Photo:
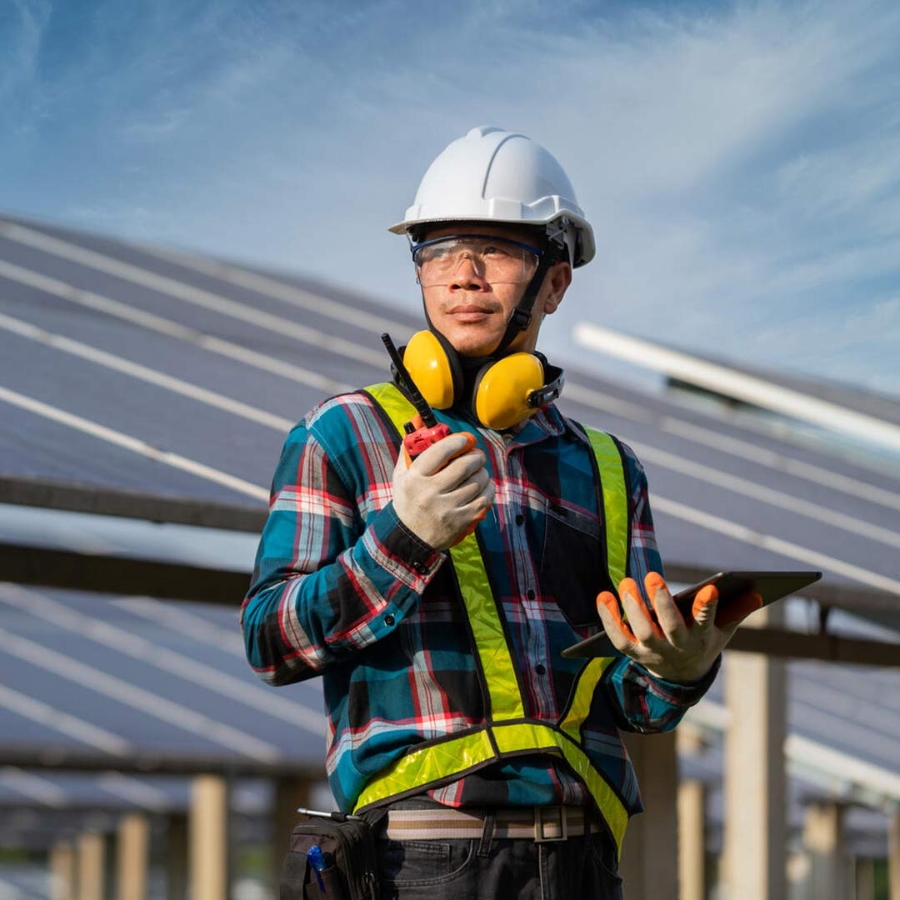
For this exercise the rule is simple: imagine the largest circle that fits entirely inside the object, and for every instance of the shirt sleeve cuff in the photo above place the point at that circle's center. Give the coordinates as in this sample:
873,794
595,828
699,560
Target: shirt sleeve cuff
397,551
422,557
686,694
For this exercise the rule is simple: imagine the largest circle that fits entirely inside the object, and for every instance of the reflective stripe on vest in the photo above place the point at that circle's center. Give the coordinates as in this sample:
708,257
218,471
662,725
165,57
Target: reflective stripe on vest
615,503
508,732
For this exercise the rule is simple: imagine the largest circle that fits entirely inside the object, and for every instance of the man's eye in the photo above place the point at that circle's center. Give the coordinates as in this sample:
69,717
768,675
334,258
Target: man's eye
493,250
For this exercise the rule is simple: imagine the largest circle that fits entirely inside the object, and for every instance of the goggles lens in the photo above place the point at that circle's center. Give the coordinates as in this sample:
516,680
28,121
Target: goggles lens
498,260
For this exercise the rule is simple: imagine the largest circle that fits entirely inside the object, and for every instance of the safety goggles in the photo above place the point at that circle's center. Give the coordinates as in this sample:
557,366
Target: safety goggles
497,260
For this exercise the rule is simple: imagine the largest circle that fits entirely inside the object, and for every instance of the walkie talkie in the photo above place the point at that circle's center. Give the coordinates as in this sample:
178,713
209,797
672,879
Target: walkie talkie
423,429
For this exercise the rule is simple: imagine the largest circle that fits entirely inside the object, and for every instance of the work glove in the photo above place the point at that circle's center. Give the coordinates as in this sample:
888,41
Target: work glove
444,492
672,646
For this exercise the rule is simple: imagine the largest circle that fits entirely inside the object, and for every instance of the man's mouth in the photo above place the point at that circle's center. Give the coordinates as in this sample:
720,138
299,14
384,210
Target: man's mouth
470,312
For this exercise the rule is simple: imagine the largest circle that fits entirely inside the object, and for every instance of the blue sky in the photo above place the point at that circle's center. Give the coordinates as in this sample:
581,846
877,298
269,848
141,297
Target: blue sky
740,162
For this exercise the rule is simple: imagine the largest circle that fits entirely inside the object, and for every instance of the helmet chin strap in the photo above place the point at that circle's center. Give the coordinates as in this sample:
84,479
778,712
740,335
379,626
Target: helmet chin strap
521,315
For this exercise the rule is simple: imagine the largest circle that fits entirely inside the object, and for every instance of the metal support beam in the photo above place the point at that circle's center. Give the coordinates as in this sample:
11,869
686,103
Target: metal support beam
755,814
105,501
48,756
22,564
650,853
208,838
824,647
742,386
132,857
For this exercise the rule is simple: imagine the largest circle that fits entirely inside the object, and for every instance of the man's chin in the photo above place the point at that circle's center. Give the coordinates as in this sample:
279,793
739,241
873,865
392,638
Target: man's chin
473,345
475,352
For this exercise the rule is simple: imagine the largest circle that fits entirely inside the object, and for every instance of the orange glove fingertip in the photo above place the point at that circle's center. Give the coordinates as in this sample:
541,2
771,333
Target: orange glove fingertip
610,601
629,586
703,598
706,595
654,582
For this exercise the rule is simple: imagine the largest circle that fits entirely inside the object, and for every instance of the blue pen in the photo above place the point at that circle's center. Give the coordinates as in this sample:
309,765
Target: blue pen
317,860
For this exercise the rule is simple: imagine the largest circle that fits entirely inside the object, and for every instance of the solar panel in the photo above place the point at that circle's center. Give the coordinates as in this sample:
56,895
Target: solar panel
128,368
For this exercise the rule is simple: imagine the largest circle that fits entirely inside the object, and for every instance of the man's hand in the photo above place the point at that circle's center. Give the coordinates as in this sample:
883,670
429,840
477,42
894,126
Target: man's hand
667,644
443,491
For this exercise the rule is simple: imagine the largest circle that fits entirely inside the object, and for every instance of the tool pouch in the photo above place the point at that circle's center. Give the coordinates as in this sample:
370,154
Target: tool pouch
351,862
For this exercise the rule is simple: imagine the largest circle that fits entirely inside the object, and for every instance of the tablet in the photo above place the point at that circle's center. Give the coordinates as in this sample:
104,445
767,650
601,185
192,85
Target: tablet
771,586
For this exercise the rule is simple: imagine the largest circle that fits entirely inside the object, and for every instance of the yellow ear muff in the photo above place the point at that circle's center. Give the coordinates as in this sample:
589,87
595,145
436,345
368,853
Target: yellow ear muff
428,366
501,395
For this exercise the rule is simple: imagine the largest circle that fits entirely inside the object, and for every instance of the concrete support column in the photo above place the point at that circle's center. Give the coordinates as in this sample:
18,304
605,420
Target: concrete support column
132,858
755,783
208,838
62,872
692,840
650,853
176,857
91,866
824,842
290,793
894,855
798,868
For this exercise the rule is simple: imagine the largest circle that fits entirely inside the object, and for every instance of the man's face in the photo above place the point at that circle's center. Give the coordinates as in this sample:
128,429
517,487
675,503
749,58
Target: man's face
471,307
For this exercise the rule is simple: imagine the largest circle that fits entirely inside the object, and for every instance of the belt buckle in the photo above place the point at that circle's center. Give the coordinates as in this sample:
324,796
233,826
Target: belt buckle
539,824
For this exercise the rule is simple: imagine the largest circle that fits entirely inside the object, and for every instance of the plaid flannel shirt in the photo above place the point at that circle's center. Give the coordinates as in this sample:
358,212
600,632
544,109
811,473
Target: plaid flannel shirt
343,589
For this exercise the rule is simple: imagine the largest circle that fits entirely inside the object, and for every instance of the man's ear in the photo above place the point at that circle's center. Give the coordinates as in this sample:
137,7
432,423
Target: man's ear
557,282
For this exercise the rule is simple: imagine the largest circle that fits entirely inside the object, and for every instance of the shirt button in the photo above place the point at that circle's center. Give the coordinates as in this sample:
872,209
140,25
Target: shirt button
419,567
530,595
540,669
389,620
520,519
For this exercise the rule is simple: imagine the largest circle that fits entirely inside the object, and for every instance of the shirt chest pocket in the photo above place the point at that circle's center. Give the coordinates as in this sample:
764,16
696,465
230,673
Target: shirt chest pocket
572,567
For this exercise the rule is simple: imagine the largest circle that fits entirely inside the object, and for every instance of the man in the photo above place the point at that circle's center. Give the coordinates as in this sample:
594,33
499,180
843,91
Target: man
449,702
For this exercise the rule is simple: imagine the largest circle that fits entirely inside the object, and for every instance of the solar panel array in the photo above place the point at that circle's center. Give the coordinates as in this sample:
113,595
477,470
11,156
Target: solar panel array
128,367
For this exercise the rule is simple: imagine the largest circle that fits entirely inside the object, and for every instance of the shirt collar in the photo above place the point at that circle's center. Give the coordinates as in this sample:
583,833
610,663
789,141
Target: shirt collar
546,423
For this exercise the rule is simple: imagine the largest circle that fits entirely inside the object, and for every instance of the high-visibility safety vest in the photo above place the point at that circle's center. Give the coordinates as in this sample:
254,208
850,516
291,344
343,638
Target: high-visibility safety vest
508,731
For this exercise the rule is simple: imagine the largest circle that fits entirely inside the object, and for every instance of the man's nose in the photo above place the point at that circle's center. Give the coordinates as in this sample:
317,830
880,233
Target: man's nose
468,275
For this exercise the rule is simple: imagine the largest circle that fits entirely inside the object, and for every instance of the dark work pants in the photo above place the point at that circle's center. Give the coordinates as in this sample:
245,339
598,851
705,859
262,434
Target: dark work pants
580,867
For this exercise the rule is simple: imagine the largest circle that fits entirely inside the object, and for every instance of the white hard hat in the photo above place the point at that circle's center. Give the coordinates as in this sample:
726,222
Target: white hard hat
492,175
